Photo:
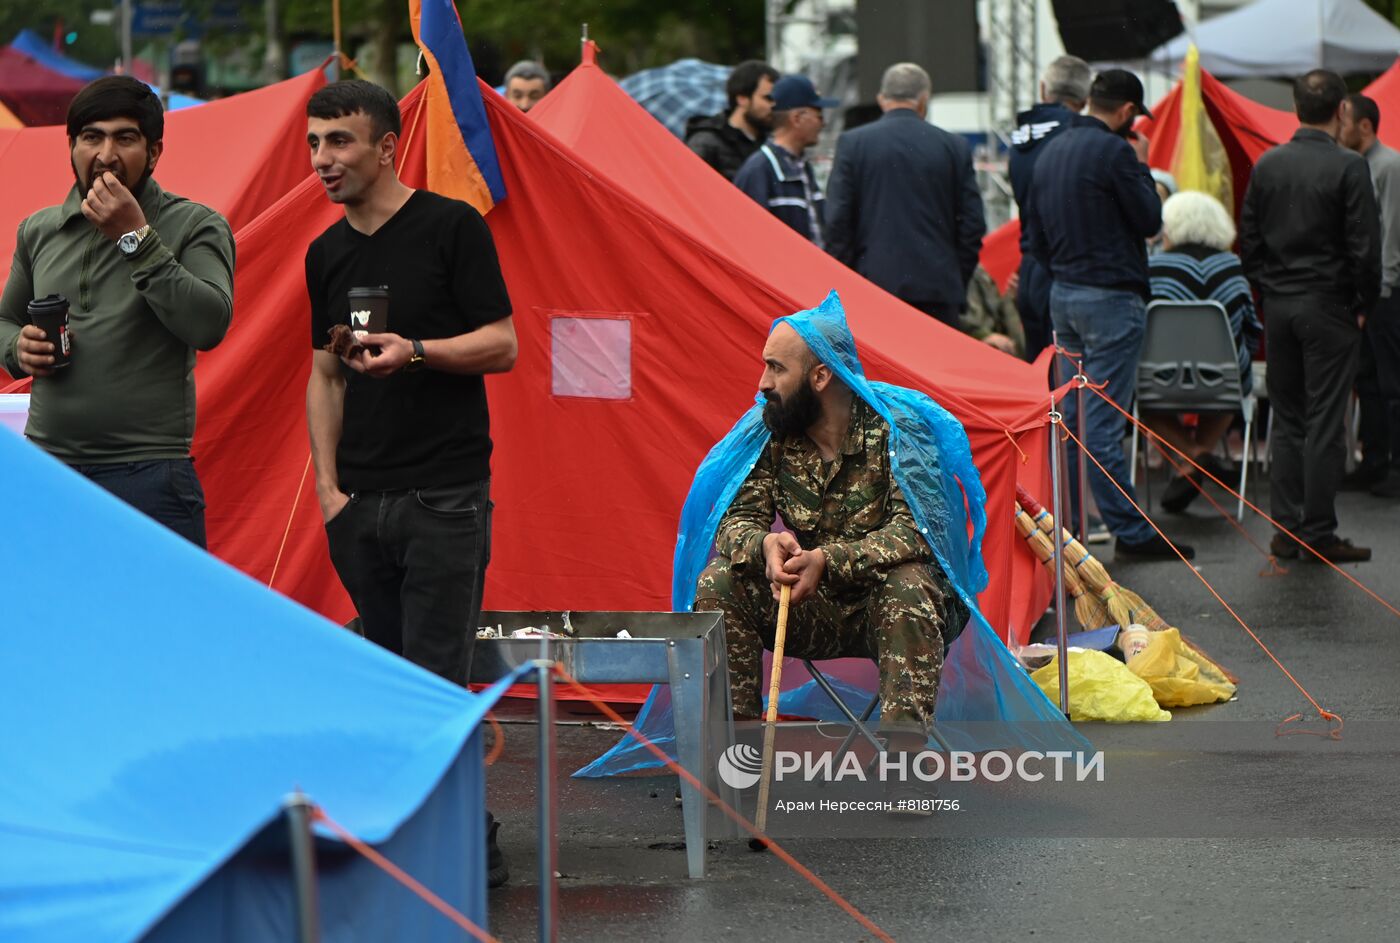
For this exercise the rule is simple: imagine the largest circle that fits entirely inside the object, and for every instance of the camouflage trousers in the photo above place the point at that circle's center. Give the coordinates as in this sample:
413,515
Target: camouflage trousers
898,621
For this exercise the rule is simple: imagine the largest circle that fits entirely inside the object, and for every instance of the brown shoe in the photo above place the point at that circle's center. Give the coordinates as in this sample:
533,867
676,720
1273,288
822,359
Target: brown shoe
1341,550
1284,547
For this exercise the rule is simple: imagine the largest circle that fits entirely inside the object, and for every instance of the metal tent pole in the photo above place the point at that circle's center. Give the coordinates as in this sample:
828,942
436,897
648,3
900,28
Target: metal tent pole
548,843
303,844
1057,539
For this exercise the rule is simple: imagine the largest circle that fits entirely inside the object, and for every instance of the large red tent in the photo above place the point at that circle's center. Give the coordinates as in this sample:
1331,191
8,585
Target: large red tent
588,489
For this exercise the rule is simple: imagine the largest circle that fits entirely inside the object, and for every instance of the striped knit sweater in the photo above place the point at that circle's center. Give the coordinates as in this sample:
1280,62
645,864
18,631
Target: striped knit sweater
1198,273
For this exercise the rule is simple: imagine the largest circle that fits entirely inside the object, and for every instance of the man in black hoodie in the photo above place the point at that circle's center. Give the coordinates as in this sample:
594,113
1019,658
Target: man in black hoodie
725,141
1064,87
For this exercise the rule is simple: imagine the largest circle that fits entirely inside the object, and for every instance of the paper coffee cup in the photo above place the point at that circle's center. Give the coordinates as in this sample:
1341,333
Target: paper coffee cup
369,310
50,315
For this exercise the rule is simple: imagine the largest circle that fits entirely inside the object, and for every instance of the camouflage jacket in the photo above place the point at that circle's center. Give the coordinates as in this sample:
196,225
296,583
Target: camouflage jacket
851,507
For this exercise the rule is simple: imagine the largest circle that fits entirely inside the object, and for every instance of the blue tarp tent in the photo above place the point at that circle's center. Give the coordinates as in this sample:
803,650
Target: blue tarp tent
156,709
33,45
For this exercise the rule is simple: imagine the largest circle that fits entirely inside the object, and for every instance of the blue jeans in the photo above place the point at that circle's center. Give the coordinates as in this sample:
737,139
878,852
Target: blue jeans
1106,326
165,490
414,564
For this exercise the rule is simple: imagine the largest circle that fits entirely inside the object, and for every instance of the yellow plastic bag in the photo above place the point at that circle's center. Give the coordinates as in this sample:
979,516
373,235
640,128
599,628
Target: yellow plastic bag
1179,675
1100,688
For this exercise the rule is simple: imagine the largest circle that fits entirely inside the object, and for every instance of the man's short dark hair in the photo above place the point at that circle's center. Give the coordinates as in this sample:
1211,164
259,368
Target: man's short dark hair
117,96
356,96
1364,108
745,78
1317,96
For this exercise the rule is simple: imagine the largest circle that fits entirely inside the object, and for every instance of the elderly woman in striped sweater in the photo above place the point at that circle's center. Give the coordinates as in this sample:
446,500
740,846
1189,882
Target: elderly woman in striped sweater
1196,264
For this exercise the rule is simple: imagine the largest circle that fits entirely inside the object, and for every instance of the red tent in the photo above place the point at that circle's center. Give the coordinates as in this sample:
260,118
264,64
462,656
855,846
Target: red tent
35,93
588,490
1001,401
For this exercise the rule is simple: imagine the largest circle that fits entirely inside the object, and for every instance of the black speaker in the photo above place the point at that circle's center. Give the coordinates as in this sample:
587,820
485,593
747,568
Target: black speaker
1116,30
942,37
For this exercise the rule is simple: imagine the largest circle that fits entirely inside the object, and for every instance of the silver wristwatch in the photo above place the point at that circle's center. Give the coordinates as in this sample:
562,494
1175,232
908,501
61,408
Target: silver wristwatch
130,242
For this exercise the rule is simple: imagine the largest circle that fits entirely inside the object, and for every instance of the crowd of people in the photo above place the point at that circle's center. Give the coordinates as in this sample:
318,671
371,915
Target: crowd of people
405,492
1102,236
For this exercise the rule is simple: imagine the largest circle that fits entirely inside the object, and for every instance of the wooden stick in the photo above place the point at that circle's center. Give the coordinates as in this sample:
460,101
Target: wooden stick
771,721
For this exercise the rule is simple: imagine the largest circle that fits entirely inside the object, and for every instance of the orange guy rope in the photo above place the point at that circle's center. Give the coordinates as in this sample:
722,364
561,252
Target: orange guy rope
301,485
403,877
1322,712
724,807
1160,442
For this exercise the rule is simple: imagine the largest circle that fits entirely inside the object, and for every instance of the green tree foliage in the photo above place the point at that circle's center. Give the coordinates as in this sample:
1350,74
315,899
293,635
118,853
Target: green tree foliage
97,45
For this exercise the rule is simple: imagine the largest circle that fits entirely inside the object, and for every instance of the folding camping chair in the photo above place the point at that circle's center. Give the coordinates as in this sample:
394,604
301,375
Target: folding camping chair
1189,365
858,724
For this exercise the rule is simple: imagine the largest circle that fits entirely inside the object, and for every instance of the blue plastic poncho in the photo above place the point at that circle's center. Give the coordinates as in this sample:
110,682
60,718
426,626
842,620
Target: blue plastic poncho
985,699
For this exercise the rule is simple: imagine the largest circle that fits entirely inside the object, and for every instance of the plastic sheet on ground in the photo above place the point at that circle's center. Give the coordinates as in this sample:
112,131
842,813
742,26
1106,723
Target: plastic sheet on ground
1178,674
1101,688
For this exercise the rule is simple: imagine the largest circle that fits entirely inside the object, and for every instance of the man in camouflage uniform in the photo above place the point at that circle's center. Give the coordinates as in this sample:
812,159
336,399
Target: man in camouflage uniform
864,583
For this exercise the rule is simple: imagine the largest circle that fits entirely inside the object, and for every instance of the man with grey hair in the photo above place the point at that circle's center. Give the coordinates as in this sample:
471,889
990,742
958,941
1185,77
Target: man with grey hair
526,82
1064,87
902,204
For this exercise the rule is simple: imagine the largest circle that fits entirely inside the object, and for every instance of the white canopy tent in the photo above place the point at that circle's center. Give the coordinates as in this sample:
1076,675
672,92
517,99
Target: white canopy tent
1290,37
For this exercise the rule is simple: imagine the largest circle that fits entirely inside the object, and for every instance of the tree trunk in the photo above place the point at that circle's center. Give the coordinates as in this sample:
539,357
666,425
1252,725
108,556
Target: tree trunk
388,24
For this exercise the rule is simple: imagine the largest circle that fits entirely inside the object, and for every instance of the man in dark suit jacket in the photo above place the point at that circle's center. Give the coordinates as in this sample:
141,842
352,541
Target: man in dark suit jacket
902,205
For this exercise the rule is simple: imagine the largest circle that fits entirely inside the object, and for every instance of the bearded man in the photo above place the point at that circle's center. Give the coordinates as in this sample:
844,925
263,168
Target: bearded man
148,279
868,569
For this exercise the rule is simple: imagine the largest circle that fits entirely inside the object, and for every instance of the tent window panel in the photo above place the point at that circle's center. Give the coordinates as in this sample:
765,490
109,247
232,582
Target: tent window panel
591,357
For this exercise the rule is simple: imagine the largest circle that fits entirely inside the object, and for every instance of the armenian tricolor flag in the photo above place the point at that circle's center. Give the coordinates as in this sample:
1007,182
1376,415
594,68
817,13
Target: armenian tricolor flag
462,161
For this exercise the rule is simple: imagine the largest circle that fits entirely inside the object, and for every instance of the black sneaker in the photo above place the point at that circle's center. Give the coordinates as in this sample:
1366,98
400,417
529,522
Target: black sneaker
1181,491
1153,548
1340,550
497,871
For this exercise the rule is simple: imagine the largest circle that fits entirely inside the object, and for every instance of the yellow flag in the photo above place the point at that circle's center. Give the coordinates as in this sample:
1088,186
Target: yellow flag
1200,162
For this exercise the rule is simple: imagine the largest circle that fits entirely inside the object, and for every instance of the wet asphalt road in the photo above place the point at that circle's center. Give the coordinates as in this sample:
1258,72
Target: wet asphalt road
1209,827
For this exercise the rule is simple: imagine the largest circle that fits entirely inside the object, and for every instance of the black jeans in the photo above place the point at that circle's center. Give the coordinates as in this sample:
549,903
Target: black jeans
1313,349
165,490
414,564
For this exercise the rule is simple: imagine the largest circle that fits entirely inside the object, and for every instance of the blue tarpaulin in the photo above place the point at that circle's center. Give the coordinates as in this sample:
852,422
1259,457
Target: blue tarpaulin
158,706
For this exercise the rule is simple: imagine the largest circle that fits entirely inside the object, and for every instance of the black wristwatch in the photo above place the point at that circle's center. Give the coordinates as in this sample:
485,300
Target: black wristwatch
416,361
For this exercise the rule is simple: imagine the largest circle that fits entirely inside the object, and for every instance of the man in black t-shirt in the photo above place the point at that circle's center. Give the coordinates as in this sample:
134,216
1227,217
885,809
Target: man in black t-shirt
400,433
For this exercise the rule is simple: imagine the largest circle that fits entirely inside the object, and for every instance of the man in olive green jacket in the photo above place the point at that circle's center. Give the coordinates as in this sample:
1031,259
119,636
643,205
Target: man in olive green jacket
148,277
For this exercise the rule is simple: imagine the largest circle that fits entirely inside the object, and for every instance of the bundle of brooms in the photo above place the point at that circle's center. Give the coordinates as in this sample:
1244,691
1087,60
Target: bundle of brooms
1099,601
1124,606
